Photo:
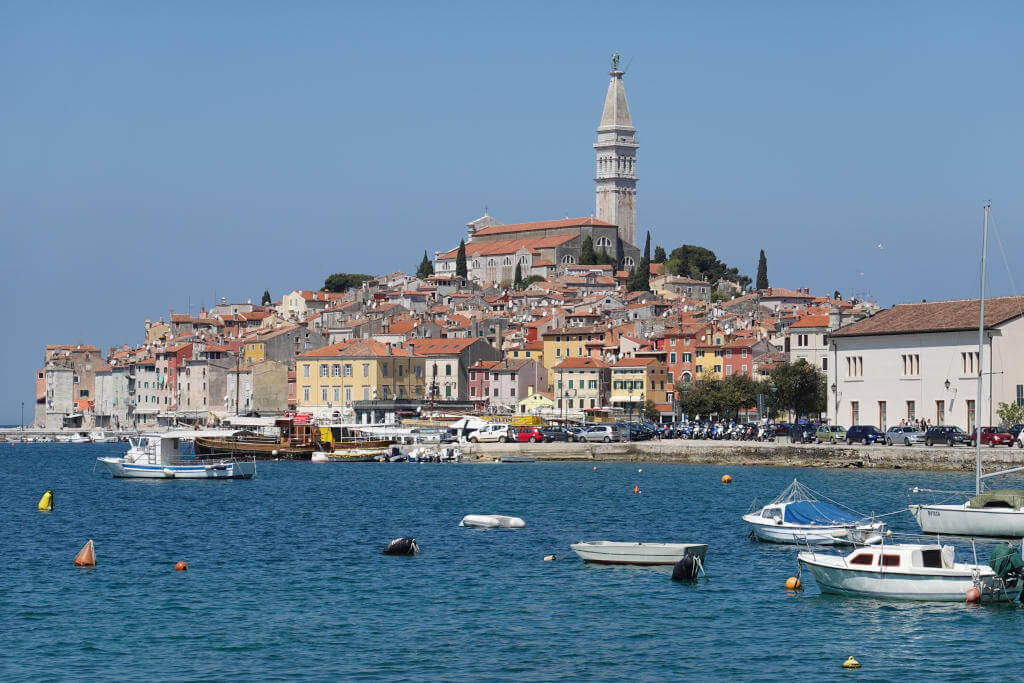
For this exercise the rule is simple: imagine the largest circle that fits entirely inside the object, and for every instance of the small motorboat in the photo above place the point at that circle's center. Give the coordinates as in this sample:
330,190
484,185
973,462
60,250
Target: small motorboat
492,522
616,552
516,458
102,436
349,455
799,515
907,571
159,456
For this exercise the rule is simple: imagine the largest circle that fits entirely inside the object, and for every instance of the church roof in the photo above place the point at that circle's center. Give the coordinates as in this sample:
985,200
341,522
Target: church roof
503,247
543,225
616,109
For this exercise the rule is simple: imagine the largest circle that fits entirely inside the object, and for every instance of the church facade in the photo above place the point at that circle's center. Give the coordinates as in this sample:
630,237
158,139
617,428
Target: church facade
493,250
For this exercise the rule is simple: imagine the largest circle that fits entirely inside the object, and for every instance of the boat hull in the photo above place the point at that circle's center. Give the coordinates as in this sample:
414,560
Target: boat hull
950,586
261,449
349,455
808,534
116,467
610,552
959,520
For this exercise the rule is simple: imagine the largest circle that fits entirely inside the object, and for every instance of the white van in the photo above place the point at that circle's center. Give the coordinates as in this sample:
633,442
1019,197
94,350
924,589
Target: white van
492,431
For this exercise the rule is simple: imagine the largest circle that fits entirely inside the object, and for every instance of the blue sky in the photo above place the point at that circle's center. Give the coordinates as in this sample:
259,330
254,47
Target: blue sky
155,154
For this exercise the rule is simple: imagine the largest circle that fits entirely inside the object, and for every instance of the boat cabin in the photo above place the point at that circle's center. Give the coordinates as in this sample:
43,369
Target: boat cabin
154,449
902,556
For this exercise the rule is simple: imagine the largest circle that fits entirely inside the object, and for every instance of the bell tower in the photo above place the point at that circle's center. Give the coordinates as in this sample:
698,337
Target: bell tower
616,159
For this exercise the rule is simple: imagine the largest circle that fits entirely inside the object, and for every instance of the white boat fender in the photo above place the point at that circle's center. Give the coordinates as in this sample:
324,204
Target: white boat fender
402,546
686,568
168,472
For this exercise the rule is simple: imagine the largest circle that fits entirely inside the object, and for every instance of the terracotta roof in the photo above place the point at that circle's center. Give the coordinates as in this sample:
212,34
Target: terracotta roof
357,348
542,225
575,330
430,347
403,327
937,316
581,362
782,292
634,362
507,247
811,321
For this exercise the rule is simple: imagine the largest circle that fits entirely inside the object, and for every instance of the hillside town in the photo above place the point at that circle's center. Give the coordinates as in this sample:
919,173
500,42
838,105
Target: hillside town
566,318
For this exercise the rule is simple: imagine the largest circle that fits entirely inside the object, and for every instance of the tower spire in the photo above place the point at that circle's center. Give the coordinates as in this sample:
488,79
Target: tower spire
616,159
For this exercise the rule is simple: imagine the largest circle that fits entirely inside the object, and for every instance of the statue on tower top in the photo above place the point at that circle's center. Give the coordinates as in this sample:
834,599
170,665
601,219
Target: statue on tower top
615,62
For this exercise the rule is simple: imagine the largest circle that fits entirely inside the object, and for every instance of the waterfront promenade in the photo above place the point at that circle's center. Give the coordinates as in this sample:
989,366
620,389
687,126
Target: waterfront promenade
781,454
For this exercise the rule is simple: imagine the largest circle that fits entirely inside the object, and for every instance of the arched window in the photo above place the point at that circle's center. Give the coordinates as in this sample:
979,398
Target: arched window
568,258
522,260
628,262
491,262
603,242
508,261
687,377
476,264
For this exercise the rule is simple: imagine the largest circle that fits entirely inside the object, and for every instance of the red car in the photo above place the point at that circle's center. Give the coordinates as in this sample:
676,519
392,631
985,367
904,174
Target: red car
994,436
531,434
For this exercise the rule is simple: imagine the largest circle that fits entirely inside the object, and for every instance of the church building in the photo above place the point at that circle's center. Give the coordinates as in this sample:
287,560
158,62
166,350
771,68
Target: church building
493,250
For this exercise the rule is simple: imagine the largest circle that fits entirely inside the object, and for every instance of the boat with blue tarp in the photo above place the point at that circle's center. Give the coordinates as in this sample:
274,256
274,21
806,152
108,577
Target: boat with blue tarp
801,515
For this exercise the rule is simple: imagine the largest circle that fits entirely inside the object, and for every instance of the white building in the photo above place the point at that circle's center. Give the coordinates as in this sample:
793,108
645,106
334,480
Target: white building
920,361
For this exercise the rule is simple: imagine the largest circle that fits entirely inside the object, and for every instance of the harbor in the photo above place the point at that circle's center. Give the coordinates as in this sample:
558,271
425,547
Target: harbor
255,573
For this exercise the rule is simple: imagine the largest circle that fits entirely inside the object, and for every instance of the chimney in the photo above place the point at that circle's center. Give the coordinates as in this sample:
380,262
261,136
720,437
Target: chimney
833,318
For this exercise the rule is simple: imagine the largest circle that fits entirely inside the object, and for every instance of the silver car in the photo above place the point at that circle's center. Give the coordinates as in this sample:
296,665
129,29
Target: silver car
604,433
904,435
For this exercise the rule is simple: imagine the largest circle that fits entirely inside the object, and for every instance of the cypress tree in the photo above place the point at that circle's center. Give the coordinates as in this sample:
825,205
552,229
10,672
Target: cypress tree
640,280
762,272
647,247
460,261
659,255
587,255
426,268
266,298
517,280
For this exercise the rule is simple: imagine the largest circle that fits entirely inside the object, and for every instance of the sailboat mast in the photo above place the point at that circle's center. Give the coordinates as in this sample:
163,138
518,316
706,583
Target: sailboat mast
981,358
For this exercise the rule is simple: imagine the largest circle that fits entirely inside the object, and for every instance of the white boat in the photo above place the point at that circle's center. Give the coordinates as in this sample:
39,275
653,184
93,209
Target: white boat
616,552
159,456
102,436
349,455
517,458
799,515
492,522
982,515
906,571
79,437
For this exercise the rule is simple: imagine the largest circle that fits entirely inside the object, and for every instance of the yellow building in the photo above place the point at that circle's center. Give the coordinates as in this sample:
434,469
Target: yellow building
638,380
533,350
536,402
254,351
707,363
569,342
355,370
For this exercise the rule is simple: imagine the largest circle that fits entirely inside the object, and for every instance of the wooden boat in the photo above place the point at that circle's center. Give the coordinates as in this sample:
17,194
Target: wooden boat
616,552
297,441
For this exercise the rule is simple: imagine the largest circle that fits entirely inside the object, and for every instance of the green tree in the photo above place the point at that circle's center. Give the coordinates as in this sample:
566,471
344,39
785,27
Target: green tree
588,256
426,268
738,392
606,259
266,298
461,270
837,296
339,282
647,247
517,280
800,387
703,396
762,272
700,263
531,279
659,255
1010,414
640,280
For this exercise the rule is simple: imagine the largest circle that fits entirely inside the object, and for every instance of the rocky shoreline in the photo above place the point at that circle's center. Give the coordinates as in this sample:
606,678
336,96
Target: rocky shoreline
957,458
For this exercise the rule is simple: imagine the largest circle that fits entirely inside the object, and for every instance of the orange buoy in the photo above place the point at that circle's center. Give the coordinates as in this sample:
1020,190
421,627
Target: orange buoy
793,584
636,488
181,566
726,479
86,557
973,595
595,468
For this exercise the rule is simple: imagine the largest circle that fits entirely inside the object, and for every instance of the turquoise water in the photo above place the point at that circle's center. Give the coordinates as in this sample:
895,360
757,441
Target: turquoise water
286,579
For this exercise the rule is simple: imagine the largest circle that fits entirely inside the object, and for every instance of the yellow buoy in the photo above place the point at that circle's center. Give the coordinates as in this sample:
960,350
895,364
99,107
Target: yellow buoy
851,663
46,502
726,479
793,584
640,470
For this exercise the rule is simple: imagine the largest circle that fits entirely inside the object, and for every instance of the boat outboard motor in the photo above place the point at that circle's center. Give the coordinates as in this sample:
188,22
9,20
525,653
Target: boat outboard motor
686,568
402,546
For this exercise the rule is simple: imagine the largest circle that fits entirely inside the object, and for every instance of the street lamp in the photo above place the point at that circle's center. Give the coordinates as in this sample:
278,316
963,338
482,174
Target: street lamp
946,384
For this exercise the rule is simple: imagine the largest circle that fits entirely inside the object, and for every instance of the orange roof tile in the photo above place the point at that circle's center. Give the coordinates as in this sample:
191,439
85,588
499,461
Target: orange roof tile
543,225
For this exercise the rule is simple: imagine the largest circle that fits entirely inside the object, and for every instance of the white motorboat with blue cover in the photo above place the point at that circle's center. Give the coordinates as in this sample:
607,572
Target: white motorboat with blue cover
801,515
908,571
160,456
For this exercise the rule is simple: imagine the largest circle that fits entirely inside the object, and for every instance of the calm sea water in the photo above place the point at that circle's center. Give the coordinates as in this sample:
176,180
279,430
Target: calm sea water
286,578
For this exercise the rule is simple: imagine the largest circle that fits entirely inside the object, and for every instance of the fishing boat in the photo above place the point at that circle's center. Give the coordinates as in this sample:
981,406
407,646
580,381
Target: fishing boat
160,456
907,571
296,439
350,455
616,552
998,513
801,515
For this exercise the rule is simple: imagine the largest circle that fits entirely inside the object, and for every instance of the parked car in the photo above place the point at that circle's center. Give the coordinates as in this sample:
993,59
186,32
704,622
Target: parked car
904,434
1015,431
865,434
493,432
604,433
575,433
782,429
830,433
993,436
554,433
947,434
801,433
529,434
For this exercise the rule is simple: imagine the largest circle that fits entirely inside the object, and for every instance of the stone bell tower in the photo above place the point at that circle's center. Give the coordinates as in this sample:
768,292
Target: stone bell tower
616,159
